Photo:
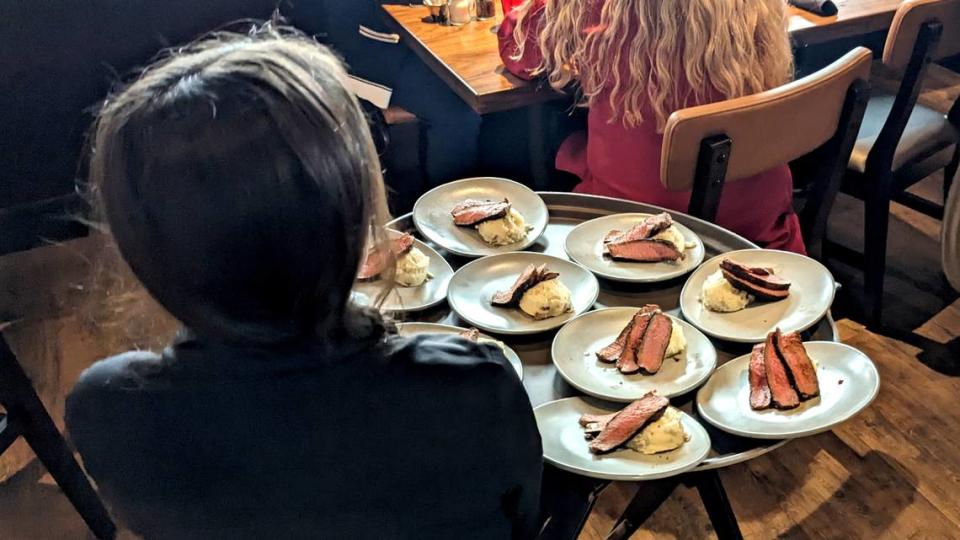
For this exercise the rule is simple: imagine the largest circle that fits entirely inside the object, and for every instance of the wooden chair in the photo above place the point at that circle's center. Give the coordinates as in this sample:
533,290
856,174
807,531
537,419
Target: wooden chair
901,142
814,120
26,417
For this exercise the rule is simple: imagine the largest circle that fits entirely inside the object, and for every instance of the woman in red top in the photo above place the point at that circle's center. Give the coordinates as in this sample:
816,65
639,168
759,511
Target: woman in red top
637,61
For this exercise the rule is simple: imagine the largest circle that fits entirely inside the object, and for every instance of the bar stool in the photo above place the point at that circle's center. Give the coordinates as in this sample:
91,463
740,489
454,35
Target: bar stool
901,142
813,120
26,417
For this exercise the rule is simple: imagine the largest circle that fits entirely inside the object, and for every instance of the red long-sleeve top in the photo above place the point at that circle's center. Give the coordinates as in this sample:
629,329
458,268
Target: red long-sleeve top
618,161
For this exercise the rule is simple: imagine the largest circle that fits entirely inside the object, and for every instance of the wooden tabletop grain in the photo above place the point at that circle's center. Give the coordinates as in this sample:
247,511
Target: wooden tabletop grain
467,58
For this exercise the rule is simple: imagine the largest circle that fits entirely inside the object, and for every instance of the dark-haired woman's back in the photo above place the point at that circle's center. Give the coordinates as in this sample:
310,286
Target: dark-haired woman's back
430,437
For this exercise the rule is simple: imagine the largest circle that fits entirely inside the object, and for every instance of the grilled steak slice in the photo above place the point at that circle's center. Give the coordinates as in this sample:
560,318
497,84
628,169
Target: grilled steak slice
798,363
602,419
759,390
473,211
611,353
593,424
628,363
782,394
647,228
760,282
648,250
764,277
762,293
528,278
472,334
654,343
376,261
628,422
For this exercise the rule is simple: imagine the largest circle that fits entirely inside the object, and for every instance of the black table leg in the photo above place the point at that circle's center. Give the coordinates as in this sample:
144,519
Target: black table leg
566,502
649,497
715,500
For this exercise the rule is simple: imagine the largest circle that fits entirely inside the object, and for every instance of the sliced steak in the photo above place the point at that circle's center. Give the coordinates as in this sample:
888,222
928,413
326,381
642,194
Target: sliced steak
593,424
799,366
654,344
473,211
628,362
376,261
528,278
759,390
626,424
762,293
611,353
760,282
472,334
648,250
649,227
782,394
763,277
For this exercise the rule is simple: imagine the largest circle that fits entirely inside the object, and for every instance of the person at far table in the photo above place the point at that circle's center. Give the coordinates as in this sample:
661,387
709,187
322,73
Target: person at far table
355,29
229,173
636,62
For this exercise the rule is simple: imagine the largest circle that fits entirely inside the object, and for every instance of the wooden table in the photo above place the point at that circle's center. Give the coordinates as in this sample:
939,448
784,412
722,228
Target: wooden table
468,59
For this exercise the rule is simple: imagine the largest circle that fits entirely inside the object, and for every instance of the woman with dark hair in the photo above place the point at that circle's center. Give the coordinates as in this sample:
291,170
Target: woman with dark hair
239,181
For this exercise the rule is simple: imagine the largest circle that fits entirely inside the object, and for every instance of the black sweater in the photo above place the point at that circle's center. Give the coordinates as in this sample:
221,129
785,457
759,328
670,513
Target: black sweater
429,437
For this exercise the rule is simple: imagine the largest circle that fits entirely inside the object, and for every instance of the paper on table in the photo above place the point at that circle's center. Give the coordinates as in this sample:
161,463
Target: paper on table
375,93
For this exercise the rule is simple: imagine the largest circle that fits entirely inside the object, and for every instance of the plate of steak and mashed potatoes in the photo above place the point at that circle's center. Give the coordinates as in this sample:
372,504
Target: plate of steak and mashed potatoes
744,295
602,353
785,389
476,217
600,440
635,247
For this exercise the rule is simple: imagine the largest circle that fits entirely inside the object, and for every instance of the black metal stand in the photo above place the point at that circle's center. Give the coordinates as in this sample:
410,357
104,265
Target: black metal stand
26,417
650,495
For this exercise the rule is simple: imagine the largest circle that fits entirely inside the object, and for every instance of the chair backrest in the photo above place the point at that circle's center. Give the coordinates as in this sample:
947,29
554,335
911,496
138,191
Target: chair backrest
921,32
766,129
905,30
816,117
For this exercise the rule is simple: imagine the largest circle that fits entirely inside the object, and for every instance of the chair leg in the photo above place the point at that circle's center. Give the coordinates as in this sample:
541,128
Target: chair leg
51,449
876,224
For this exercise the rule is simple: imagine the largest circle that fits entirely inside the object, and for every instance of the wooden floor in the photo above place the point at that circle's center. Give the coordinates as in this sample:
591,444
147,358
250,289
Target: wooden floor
892,472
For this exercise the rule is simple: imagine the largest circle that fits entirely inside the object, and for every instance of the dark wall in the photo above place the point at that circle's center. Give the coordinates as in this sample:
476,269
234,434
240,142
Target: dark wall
59,58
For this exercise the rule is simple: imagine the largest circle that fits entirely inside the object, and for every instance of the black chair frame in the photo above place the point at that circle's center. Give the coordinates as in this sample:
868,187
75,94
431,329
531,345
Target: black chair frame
652,494
825,165
27,417
879,185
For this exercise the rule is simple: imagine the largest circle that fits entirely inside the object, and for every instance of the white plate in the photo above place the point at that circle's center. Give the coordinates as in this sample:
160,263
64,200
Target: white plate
412,329
848,383
574,353
584,244
431,293
565,447
431,214
473,286
811,293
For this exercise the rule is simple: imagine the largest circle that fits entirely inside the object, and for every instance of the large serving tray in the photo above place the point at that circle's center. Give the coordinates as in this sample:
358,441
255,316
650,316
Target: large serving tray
541,379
